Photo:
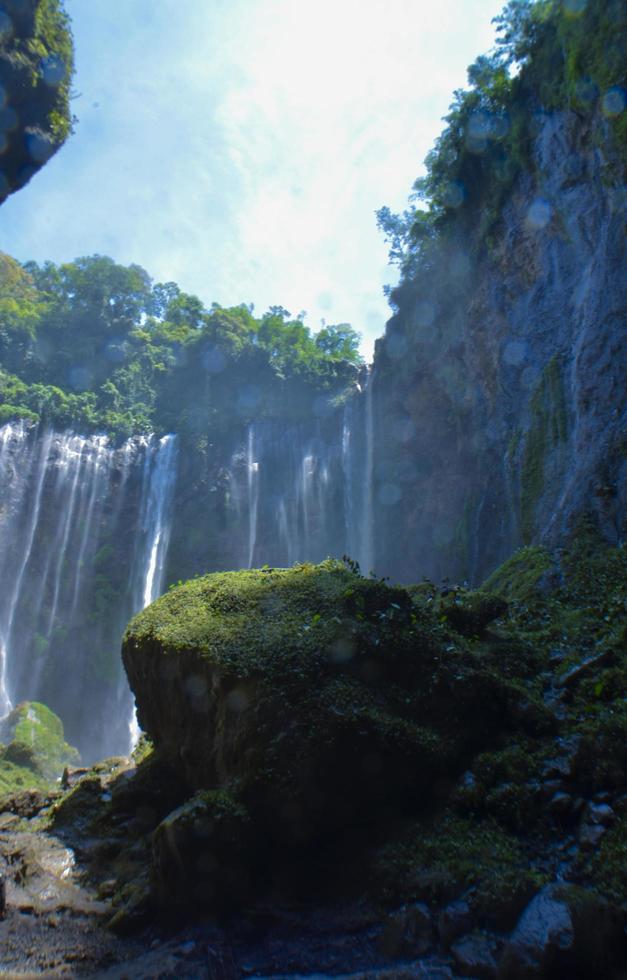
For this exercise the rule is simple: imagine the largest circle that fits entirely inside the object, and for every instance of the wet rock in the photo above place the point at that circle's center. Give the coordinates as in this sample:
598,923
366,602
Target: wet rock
564,931
135,908
455,920
543,938
561,806
201,854
549,788
475,956
408,932
599,813
588,666
28,802
71,775
435,885
590,835
80,806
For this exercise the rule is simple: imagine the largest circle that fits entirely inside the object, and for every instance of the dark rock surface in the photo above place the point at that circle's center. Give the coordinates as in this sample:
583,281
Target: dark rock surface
563,931
499,398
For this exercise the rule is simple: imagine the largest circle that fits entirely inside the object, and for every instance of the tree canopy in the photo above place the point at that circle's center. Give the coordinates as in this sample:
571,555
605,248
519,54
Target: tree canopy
94,344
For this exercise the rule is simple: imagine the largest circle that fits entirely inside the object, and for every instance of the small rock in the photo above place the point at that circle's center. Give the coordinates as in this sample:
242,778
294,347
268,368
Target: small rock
556,768
474,957
544,930
565,931
561,805
433,885
550,788
599,813
408,932
106,889
8,820
587,666
71,776
455,920
590,835
602,797
468,780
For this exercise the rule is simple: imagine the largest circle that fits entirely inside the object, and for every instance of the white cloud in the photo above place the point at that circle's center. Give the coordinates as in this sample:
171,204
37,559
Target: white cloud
242,148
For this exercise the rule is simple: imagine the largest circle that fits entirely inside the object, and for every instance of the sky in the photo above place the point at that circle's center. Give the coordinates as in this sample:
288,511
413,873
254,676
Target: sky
242,147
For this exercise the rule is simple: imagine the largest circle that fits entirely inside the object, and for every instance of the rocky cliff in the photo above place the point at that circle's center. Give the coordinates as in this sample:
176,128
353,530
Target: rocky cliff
499,387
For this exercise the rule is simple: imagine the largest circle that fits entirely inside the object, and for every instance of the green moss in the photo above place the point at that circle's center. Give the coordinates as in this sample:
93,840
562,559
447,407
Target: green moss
548,427
201,852
36,740
438,860
518,578
14,778
607,868
277,621
322,694
470,613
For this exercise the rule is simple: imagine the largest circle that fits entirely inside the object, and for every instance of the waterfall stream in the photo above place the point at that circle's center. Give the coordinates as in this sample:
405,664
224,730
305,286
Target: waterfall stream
159,477
70,507
85,528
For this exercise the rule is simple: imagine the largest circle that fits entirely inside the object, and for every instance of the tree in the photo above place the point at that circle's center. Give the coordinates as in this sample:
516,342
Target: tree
340,342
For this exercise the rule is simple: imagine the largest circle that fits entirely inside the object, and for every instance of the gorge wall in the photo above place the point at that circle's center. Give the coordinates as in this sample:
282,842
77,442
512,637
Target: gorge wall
494,415
499,389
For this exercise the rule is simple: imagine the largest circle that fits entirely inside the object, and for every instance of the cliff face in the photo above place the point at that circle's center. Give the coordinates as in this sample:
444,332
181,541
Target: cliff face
36,63
499,388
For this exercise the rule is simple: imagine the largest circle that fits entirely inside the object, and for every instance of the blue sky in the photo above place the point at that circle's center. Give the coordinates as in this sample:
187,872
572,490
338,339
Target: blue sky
241,147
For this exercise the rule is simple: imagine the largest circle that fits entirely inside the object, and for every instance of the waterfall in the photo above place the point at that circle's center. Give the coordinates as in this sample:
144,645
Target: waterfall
252,486
84,530
283,496
159,477
367,555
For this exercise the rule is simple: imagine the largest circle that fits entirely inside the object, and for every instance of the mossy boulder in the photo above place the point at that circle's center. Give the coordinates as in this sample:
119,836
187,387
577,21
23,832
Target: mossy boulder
317,698
36,741
470,613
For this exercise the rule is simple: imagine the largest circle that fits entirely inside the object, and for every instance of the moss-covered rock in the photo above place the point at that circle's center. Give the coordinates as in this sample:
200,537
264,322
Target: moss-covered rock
36,65
36,740
470,613
318,698
202,853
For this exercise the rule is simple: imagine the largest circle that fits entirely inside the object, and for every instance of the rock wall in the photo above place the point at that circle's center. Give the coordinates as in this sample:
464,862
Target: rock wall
499,387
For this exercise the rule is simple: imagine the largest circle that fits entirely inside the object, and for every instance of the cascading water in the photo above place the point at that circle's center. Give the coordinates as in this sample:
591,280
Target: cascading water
291,489
252,486
367,556
84,530
84,533
159,478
